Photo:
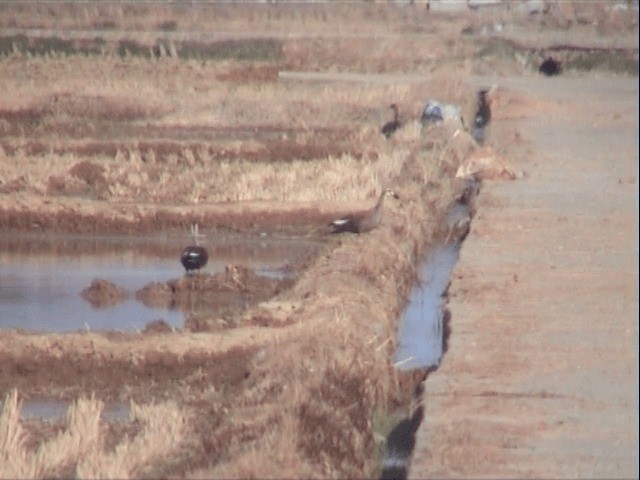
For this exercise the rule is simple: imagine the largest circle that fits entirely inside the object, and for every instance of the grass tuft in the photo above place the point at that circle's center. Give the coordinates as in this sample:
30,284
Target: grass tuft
163,429
13,456
80,438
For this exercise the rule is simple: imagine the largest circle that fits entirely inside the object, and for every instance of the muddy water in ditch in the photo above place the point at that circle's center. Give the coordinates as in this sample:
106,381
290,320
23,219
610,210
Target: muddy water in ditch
422,329
421,336
420,346
41,278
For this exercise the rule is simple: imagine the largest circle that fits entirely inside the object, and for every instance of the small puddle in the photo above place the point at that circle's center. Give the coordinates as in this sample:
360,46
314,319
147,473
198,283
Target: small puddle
50,410
41,279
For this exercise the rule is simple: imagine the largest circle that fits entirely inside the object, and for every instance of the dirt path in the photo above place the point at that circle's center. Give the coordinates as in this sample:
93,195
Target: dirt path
540,376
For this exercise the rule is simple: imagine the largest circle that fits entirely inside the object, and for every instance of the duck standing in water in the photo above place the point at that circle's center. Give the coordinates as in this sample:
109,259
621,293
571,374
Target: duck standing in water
194,257
390,127
482,117
363,222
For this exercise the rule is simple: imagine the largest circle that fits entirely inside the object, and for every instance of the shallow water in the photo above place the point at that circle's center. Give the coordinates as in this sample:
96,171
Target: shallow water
41,278
421,332
421,335
422,326
50,410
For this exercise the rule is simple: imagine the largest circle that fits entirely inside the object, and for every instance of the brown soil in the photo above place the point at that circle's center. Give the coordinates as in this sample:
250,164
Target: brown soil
103,294
212,301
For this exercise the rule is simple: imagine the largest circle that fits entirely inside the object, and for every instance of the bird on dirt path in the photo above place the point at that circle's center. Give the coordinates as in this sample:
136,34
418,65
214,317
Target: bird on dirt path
362,222
482,117
390,127
194,257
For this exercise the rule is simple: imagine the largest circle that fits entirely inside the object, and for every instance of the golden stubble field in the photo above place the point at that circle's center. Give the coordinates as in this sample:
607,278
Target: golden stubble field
180,117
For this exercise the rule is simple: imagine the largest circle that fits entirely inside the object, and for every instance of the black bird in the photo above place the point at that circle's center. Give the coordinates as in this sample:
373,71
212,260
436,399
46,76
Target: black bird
482,117
362,222
550,67
390,127
194,257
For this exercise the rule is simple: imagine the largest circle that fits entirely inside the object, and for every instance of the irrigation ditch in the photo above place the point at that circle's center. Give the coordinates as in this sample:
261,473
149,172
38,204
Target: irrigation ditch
424,329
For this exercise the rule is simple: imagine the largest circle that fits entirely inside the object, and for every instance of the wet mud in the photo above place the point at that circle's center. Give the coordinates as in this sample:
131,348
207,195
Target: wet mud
152,375
212,302
103,294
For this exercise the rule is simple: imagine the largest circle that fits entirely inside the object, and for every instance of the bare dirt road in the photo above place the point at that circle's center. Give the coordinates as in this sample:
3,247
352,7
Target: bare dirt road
540,376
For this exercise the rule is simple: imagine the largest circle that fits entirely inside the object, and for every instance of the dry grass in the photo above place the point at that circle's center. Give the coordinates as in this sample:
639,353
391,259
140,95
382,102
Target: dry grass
78,448
200,174
323,370
163,428
81,437
298,181
226,18
12,439
56,456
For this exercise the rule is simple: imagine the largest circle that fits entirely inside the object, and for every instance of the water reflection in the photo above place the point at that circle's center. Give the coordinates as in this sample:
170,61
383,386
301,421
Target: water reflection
421,332
421,328
41,278
52,410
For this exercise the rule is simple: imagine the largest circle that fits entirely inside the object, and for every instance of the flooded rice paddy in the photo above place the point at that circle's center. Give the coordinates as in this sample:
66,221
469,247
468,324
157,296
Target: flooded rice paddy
42,278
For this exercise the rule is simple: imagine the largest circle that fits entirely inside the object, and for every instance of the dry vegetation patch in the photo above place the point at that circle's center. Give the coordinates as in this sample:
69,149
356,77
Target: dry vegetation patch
312,387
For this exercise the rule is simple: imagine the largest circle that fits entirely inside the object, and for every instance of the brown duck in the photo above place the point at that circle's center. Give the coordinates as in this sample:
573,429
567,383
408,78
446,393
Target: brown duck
390,127
364,221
